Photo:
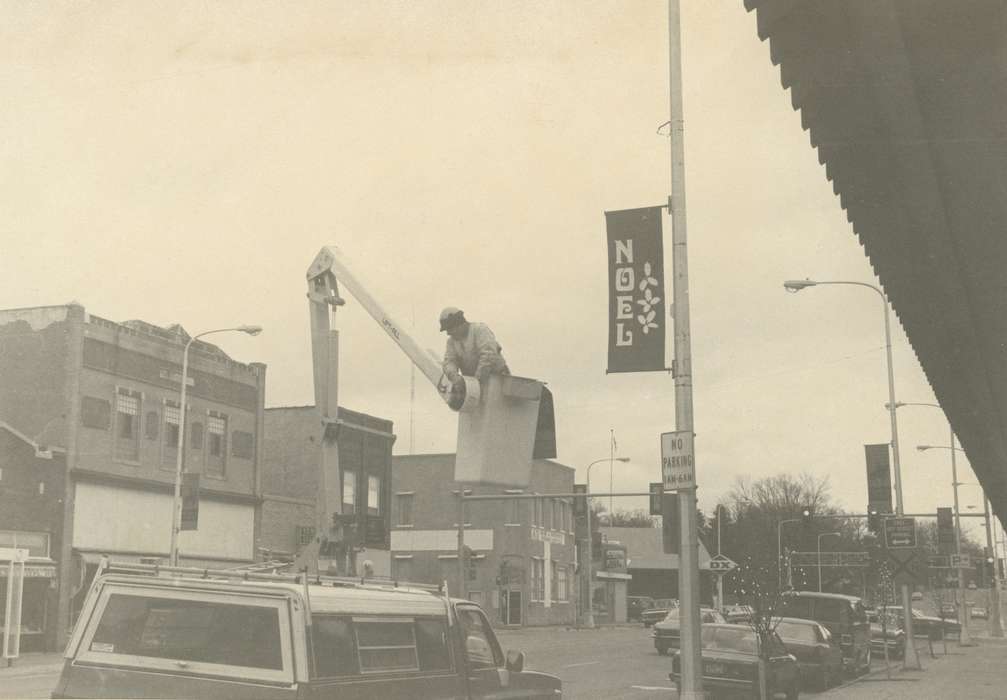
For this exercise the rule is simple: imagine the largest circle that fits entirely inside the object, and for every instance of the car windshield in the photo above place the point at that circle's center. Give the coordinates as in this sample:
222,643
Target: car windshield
796,631
729,639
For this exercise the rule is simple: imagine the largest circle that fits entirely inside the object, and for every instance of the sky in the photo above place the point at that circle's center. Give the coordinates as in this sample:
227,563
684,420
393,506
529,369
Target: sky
185,161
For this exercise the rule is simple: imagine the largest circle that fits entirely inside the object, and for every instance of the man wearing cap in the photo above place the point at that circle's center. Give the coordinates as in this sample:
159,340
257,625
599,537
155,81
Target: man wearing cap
472,349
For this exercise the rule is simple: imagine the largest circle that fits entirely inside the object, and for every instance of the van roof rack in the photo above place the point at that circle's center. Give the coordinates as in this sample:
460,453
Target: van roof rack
267,572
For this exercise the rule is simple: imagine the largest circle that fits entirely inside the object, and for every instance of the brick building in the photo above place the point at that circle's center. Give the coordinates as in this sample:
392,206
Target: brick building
107,394
31,517
291,455
523,556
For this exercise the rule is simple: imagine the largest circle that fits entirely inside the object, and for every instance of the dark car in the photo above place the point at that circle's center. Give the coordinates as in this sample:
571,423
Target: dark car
667,634
843,615
930,626
658,611
818,655
731,664
886,631
636,605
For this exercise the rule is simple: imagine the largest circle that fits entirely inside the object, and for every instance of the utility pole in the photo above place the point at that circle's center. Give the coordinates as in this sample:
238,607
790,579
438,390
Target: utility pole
691,685
996,626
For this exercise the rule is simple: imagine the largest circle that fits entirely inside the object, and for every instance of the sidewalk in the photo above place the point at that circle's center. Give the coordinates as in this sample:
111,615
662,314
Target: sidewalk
32,664
976,673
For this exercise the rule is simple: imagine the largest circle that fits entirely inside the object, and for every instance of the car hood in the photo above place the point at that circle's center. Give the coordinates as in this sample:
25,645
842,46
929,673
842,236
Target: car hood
668,625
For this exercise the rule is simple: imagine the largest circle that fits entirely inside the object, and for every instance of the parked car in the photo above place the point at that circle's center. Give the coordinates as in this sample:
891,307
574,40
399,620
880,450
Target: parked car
886,631
949,611
843,615
658,611
917,595
929,626
737,614
818,655
731,663
209,634
667,634
980,613
636,605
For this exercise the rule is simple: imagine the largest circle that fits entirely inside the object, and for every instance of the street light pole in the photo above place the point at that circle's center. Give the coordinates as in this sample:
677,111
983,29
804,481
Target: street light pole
996,626
779,548
911,659
589,554
176,505
824,534
964,637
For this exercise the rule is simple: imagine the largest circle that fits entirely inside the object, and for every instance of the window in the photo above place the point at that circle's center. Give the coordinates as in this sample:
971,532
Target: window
335,654
537,518
190,630
349,492
481,646
562,584
386,645
95,413
304,534
37,543
547,510
171,418
373,495
150,425
553,581
216,447
127,424
242,444
537,579
432,644
405,507
196,436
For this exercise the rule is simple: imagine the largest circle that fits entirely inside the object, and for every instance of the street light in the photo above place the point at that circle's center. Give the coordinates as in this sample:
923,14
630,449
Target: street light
176,513
824,534
589,621
911,660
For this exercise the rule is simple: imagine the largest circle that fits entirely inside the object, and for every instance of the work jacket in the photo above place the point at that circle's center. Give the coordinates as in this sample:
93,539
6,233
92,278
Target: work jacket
475,355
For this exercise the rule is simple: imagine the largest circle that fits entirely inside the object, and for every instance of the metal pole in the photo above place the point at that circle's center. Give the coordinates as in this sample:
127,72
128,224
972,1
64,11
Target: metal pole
176,503
964,637
779,549
824,534
691,685
589,554
996,627
720,577
461,542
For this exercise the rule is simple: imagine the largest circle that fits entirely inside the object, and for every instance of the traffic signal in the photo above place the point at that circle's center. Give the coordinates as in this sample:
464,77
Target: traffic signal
988,565
874,521
580,502
596,551
807,515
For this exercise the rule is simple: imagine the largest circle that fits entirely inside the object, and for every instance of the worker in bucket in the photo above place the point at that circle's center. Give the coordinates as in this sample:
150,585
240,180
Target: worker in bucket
472,349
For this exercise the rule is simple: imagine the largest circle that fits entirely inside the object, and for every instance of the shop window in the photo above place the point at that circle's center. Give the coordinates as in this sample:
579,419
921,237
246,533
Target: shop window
95,413
349,492
127,424
404,502
216,443
242,444
373,495
196,436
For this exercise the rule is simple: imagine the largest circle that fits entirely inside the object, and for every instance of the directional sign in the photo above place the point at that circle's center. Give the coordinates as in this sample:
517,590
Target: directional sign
678,464
721,564
900,533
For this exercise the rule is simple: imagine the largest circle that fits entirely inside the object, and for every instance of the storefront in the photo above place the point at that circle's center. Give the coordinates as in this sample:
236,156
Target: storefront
38,601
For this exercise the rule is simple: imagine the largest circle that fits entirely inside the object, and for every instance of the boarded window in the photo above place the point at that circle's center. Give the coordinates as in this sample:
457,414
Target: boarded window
196,436
171,428
95,413
216,443
405,503
242,444
150,427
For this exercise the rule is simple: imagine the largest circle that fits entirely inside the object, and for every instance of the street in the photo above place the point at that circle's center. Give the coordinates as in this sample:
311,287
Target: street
620,662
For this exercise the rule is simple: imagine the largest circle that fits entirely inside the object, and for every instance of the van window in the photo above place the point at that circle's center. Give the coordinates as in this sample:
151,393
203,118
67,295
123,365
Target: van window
383,645
190,630
795,606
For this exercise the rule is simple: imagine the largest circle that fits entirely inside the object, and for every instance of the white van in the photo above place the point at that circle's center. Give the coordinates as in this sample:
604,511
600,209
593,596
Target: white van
158,632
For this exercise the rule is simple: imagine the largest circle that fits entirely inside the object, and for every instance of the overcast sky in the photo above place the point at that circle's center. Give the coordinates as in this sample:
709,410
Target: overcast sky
185,161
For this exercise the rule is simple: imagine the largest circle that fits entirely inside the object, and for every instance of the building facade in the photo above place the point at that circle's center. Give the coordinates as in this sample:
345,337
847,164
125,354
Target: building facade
521,556
291,457
32,478
107,394
653,572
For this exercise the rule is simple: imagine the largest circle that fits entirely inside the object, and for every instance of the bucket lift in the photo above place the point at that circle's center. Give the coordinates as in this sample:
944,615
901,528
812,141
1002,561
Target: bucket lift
502,424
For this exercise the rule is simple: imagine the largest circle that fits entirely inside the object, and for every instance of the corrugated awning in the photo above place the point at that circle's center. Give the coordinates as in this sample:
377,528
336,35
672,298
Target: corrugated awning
904,102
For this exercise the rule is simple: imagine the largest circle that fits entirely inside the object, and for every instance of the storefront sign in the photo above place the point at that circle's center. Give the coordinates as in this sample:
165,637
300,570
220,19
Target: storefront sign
43,571
636,305
542,535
